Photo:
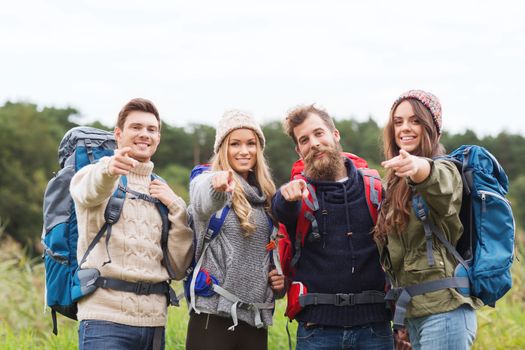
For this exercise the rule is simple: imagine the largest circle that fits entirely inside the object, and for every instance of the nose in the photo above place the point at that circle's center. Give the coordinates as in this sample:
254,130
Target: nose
406,125
244,149
143,132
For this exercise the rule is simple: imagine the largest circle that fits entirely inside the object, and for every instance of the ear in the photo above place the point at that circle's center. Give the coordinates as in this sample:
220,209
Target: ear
297,150
336,134
118,134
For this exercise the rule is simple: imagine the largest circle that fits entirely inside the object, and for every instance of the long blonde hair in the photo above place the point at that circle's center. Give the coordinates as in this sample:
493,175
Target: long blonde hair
395,209
263,178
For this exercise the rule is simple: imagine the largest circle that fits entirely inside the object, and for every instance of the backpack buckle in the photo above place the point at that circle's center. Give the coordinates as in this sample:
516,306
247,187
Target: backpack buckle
142,288
344,299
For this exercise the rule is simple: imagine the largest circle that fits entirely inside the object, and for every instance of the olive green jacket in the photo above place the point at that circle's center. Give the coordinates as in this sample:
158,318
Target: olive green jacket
404,256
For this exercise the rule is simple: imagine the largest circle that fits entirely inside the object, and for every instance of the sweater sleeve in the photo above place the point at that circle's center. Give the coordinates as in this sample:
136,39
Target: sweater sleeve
442,190
180,238
284,211
92,184
204,199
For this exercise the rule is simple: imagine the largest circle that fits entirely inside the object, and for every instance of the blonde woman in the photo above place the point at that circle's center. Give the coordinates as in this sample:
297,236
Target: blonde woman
236,314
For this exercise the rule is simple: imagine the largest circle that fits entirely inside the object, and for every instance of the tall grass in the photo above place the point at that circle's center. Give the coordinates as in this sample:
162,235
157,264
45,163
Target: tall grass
23,324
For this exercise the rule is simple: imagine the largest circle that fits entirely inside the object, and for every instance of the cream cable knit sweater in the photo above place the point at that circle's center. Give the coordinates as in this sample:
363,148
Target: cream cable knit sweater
134,245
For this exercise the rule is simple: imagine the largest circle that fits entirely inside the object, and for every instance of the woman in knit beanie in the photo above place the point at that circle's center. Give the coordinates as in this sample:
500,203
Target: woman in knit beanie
443,318
237,259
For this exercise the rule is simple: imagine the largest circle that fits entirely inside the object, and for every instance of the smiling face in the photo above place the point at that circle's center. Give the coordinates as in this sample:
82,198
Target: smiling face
407,127
140,132
242,151
313,134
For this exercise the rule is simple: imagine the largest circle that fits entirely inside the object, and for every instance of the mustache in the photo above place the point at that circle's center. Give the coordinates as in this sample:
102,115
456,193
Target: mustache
314,151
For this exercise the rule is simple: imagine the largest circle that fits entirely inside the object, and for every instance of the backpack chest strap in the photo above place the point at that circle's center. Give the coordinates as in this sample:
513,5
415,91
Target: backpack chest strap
342,299
238,303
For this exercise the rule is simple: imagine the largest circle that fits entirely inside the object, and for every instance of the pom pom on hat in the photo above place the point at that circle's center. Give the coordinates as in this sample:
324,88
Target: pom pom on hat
428,100
236,119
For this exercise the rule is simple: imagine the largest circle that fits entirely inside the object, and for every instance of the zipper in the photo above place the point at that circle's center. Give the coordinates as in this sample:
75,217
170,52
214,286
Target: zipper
483,195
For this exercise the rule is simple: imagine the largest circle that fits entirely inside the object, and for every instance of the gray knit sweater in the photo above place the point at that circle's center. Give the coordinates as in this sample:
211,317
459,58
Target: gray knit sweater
240,263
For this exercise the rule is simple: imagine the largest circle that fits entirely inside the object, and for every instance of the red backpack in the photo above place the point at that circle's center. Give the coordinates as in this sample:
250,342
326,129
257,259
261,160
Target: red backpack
306,220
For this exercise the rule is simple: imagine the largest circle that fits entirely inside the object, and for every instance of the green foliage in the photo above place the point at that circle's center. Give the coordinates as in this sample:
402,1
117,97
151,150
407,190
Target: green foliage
279,151
517,198
362,139
28,153
178,179
29,139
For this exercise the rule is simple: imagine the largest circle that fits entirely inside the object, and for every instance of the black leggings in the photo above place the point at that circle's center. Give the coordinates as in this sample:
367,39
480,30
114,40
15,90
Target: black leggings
206,331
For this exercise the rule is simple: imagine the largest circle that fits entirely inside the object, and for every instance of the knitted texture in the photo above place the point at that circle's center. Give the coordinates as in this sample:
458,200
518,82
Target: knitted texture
134,246
428,100
241,264
235,119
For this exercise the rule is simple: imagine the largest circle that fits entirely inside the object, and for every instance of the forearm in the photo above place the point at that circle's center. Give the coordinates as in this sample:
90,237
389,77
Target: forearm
422,172
92,184
180,239
204,199
284,211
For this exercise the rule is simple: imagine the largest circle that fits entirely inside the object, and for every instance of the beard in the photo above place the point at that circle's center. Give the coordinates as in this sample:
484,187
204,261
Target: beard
326,168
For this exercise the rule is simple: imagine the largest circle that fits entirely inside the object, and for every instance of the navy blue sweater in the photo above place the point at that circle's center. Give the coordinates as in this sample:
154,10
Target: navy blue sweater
338,262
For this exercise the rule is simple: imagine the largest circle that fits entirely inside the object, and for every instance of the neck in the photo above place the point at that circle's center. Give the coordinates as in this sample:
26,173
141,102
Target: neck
341,174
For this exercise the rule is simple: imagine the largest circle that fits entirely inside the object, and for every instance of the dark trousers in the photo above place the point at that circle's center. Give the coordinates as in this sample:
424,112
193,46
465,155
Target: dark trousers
206,331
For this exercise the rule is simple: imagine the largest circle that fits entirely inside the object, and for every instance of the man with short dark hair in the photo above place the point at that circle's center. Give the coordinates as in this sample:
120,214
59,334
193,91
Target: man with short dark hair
342,259
129,310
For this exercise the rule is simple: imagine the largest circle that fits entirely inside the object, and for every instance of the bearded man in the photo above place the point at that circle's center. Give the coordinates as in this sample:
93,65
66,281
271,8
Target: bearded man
341,261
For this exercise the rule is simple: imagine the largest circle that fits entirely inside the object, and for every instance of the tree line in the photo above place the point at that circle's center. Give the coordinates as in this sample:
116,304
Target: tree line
29,139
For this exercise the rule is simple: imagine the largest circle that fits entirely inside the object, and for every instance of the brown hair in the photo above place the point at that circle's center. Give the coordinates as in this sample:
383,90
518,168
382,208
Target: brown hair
298,115
136,104
395,209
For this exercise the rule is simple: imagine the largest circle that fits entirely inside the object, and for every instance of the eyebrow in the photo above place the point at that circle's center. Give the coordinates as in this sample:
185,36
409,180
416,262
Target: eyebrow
399,117
250,139
146,125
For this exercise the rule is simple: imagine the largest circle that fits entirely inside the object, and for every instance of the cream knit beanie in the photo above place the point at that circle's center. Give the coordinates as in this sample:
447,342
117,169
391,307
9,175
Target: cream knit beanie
236,119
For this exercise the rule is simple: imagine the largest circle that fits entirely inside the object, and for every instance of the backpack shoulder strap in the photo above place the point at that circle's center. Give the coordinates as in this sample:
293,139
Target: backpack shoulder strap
164,211
373,190
212,231
111,216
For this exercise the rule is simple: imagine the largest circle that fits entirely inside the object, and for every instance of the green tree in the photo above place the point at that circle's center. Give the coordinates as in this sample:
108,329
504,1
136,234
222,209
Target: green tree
28,156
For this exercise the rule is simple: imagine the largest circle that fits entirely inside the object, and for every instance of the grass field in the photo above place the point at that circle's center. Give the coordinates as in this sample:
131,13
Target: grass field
23,324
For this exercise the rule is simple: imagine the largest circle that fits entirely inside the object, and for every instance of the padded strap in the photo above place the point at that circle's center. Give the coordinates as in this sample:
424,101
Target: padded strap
341,299
421,211
139,288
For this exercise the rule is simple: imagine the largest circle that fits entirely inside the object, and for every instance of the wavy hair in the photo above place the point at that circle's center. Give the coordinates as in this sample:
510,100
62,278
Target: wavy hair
395,209
263,178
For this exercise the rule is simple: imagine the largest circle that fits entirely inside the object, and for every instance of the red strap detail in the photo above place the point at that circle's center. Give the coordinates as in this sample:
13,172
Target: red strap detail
207,274
271,245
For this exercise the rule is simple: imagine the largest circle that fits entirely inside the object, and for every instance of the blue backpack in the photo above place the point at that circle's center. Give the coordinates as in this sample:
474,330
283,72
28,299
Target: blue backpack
485,251
66,283
199,282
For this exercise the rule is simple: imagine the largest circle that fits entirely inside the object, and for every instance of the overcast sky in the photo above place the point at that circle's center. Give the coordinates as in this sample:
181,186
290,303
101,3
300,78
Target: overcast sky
195,59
